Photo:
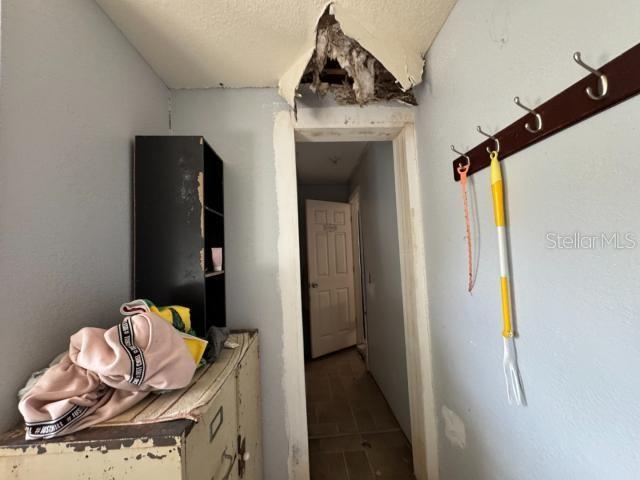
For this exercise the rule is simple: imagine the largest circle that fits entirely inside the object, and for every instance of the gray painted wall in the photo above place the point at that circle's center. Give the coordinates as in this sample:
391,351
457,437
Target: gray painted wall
577,310
238,124
330,193
385,323
73,93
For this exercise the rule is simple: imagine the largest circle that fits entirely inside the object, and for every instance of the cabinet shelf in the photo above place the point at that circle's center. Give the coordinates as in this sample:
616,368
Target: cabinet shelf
215,212
213,274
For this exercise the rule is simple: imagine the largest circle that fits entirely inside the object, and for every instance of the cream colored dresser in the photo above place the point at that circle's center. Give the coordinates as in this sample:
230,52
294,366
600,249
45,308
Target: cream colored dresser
224,444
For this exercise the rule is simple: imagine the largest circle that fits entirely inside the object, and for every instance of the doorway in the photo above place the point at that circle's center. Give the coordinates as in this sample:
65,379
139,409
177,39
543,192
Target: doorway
358,412
344,124
327,254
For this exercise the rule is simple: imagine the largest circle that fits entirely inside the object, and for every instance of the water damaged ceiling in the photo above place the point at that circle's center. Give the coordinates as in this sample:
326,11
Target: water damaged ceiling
340,65
230,43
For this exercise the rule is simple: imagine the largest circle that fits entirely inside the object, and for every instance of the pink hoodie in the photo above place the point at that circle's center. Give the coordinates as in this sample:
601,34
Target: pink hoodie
104,373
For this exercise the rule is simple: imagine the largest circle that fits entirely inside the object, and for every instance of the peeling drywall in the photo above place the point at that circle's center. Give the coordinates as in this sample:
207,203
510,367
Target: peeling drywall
291,78
378,30
289,81
213,43
403,59
341,66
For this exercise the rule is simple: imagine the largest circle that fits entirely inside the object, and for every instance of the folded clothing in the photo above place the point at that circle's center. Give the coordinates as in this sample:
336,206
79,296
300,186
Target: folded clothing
104,373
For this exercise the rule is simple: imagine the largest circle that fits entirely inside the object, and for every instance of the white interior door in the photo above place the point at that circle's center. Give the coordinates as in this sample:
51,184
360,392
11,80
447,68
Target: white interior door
330,263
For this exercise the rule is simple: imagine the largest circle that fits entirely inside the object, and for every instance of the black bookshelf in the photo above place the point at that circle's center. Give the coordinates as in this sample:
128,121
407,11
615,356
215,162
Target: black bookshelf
178,217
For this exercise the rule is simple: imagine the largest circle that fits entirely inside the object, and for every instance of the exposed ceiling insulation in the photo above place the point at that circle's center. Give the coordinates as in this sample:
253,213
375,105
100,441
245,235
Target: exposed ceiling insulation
213,43
341,65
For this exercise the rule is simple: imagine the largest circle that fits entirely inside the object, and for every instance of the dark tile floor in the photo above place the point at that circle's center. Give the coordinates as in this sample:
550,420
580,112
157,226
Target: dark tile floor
352,433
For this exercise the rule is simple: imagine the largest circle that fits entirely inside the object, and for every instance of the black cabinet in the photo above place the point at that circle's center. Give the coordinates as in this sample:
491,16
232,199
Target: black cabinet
178,219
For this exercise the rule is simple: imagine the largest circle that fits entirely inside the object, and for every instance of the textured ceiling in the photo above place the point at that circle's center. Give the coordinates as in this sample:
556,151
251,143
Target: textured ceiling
212,43
325,163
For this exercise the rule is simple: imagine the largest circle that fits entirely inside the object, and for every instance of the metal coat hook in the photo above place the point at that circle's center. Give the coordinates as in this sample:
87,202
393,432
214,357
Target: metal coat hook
461,165
532,112
603,84
497,149
562,111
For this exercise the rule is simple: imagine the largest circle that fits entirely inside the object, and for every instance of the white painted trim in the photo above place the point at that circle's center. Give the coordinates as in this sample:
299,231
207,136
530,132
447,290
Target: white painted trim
424,433
356,247
374,123
290,297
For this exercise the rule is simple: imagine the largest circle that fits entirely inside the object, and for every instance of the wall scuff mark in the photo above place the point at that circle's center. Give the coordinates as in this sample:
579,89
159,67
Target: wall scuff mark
454,428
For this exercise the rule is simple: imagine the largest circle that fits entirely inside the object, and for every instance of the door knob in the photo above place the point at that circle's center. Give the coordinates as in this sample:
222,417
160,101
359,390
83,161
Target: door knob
314,285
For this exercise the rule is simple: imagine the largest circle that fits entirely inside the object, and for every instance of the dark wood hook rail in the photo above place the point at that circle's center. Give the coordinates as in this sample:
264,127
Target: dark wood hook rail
562,111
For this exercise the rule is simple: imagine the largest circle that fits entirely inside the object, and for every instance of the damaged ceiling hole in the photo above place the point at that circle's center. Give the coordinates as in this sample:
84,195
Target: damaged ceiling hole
340,65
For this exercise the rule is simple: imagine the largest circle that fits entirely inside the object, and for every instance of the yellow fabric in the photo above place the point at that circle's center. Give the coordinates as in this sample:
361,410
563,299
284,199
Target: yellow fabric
165,313
195,345
177,316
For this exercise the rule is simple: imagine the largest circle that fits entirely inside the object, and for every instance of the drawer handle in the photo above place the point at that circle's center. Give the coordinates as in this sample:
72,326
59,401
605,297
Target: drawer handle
243,455
215,424
232,458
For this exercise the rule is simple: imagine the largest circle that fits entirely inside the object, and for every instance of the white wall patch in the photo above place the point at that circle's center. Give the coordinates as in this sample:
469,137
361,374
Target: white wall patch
454,428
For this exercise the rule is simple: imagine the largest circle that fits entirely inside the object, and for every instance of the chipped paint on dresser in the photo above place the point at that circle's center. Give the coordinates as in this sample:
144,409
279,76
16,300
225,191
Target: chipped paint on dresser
110,458
174,450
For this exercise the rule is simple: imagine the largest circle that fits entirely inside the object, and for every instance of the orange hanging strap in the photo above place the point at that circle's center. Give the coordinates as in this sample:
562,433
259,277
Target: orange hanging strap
462,171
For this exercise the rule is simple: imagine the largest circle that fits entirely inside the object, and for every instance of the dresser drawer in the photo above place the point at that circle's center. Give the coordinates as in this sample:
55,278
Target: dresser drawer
138,451
211,446
170,450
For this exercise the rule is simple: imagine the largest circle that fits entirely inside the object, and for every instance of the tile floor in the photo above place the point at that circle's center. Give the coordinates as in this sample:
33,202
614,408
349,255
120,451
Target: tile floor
352,433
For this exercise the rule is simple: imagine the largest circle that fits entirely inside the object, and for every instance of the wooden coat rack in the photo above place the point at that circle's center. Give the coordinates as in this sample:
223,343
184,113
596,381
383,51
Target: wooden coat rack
605,87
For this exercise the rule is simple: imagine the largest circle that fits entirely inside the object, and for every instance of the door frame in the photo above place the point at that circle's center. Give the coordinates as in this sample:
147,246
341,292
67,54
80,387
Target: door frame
374,123
354,202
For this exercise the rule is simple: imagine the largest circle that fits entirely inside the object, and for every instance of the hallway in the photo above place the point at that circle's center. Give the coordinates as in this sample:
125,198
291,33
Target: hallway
352,433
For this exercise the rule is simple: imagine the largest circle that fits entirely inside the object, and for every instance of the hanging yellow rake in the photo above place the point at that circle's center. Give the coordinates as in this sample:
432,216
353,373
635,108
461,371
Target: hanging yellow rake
515,391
